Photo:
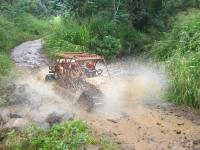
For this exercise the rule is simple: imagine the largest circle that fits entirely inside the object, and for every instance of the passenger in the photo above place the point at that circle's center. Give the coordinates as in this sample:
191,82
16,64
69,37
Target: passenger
75,70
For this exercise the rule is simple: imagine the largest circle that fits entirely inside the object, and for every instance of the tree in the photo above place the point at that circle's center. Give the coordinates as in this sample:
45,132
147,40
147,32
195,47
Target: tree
133,9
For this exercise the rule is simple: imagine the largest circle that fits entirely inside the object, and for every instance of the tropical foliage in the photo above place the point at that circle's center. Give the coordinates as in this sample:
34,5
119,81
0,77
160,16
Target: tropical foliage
180,48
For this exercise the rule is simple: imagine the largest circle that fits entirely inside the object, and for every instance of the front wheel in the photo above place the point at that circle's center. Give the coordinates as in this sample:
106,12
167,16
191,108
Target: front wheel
86,101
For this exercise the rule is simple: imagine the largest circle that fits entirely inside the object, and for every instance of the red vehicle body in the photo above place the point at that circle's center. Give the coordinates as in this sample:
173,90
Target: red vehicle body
71,69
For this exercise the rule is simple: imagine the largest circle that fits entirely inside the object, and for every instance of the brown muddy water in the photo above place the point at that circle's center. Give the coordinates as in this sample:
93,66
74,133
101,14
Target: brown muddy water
134,111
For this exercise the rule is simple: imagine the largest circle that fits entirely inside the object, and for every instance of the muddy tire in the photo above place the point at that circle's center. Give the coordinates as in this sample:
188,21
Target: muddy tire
49,77
86,101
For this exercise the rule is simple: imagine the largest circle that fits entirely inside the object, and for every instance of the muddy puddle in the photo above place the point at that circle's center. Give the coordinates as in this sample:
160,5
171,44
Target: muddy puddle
134,111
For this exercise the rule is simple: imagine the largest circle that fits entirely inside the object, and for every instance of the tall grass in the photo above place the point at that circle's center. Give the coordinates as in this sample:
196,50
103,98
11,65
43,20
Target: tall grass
71,135
66,36
185,79
180,48
5,63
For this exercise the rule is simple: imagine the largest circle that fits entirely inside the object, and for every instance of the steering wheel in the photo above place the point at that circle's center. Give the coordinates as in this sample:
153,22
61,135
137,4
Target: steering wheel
99,72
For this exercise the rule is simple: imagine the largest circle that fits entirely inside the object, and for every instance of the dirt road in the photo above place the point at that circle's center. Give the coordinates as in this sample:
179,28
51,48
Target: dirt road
134,112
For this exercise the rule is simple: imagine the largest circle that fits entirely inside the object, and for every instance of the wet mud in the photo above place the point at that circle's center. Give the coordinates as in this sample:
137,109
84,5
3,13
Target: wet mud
134,112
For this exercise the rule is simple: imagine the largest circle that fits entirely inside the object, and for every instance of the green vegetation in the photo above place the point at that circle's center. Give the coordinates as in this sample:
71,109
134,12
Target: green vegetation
110,28
68,35
70,135
180,48
16,26
5,63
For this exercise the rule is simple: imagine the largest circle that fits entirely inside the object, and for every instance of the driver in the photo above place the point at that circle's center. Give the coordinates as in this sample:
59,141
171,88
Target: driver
90,65
90,70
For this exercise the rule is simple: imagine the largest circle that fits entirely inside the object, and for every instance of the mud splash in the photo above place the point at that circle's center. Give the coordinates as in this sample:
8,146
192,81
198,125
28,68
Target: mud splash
133,83
134,112
40,99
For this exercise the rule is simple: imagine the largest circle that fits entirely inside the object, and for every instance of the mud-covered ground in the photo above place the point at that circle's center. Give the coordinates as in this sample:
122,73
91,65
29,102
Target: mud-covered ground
134,112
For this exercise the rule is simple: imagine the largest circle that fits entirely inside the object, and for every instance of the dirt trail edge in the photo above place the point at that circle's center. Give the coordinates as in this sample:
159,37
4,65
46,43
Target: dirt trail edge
134,112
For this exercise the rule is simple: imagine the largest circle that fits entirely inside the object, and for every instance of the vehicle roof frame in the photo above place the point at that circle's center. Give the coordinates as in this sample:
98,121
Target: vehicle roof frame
79,56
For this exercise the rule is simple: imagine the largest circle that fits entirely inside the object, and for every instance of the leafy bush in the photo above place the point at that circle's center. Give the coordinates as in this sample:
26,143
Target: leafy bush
67,36
132,41
33,7
181,49
108,47
69,135
101,26
30,24
183,37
